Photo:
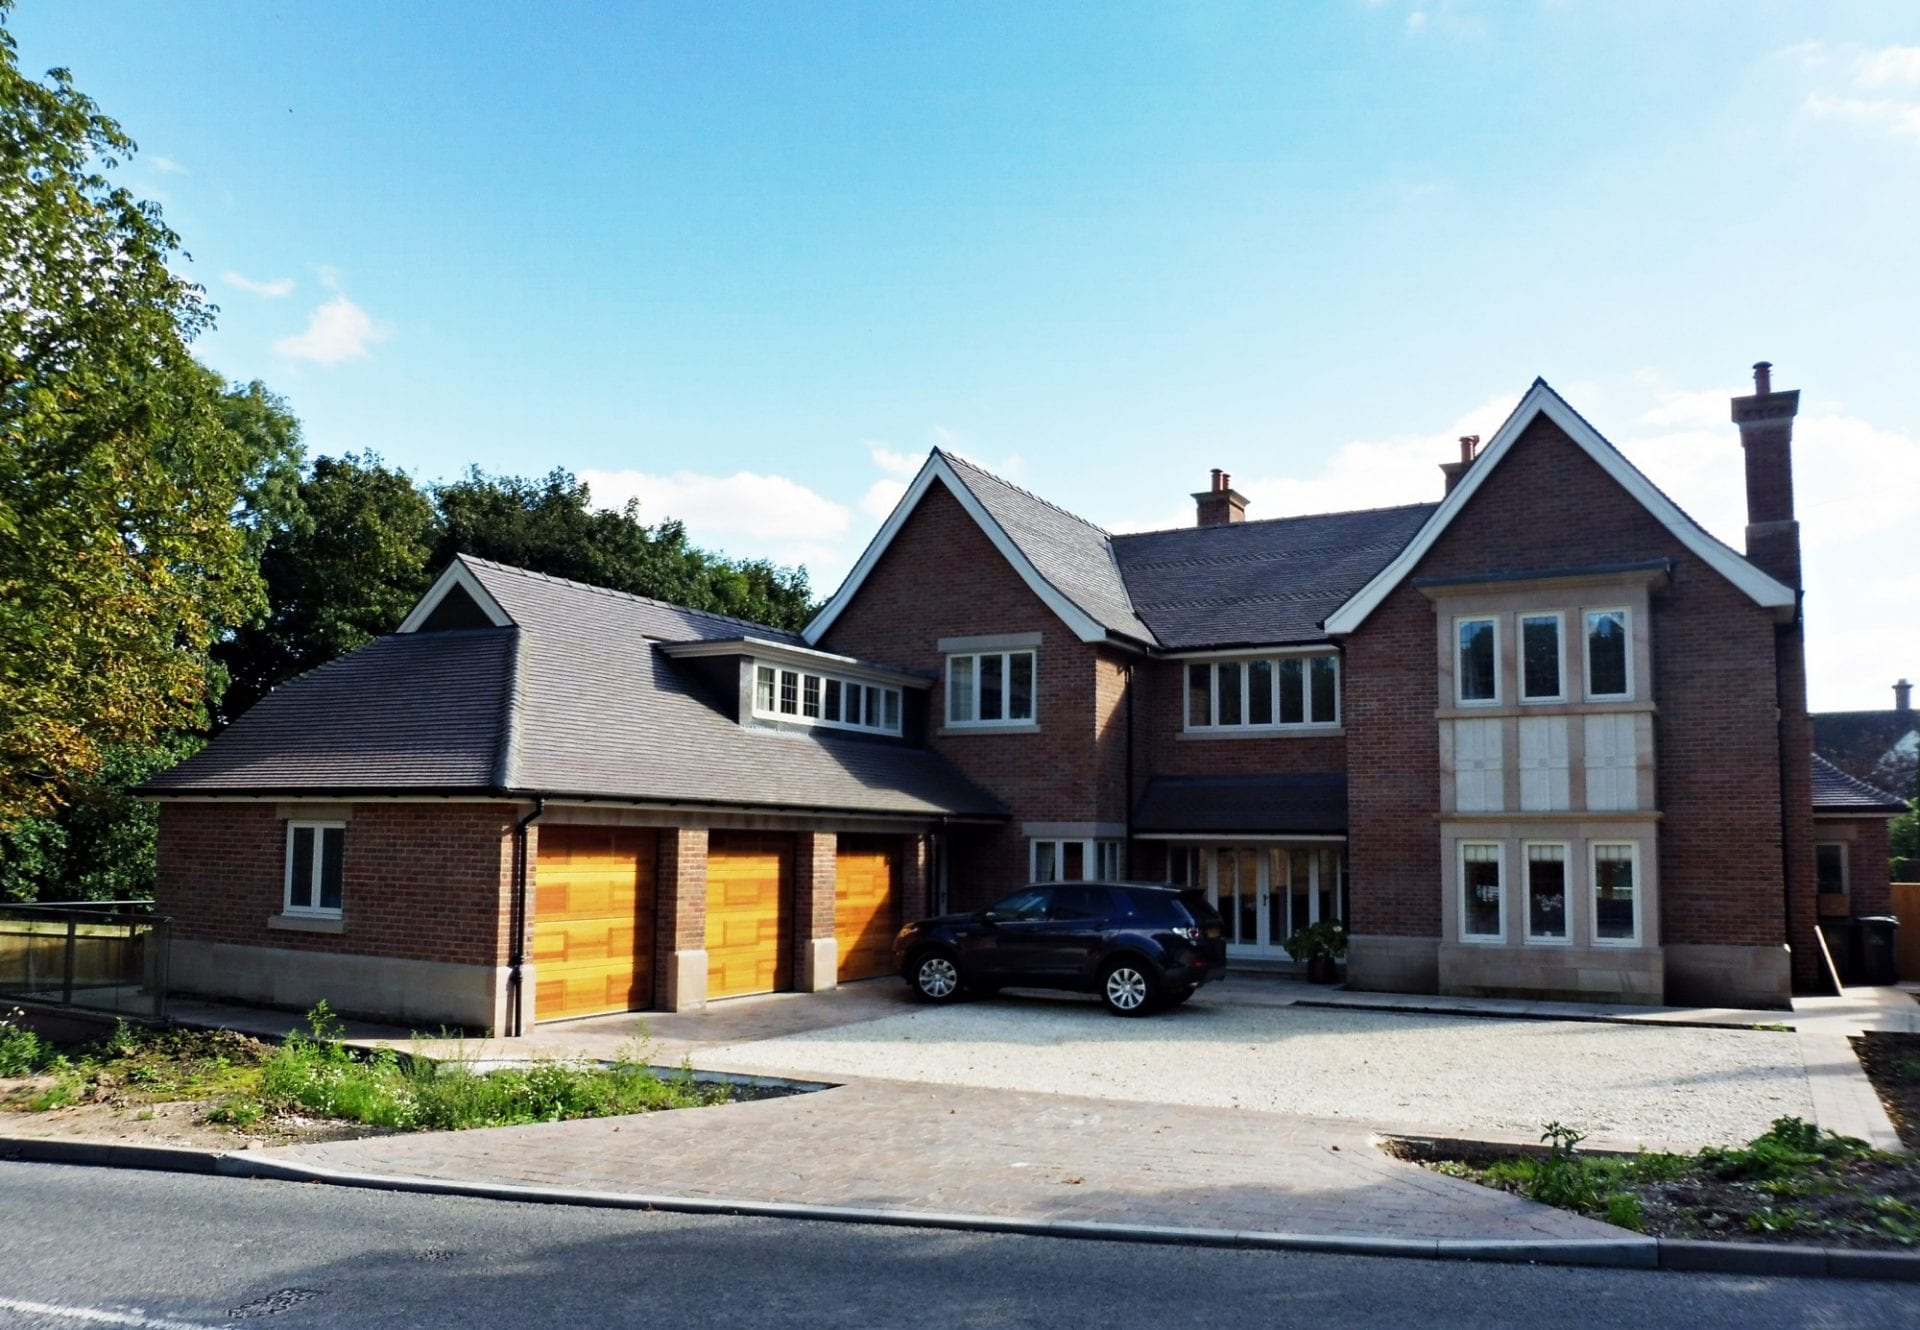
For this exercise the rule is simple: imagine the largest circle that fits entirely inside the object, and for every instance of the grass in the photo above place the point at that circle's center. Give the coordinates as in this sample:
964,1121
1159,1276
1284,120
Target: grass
1794,1182
316,1075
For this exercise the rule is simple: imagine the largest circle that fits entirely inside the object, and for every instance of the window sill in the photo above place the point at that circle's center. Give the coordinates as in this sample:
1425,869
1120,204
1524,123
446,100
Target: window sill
307,923
1269,732
1011,727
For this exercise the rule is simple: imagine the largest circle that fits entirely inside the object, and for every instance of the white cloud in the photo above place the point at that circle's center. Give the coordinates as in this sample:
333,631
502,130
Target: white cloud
336,331
1901,119
905,466
745,515
1892,64
273,289
159,161
1375,473
881,497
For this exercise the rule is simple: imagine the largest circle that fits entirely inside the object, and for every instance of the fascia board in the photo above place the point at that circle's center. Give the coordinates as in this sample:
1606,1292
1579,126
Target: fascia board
1078,620
457,574
1540,399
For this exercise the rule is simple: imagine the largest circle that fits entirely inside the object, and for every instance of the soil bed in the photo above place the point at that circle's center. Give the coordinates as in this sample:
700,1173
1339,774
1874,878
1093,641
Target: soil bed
1794,1184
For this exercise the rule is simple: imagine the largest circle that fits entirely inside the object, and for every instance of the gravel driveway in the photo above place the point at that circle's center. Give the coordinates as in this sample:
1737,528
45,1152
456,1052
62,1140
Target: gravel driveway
1450,1074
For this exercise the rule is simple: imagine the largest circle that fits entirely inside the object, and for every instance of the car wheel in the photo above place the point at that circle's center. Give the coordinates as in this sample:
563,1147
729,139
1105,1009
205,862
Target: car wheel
1128,988
936,977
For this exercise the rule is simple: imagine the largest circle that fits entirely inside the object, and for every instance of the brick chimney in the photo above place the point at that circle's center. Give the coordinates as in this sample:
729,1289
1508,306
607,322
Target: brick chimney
1903,697
1220,502
1469,448
1765,419
1766,433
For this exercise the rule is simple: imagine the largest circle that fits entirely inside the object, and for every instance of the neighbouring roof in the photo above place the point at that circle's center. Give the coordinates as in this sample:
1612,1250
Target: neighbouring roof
1834,791
574,697
1241,583
1293,803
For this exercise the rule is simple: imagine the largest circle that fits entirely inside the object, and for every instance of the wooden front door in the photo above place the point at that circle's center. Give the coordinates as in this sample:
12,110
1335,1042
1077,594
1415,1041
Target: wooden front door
866,904
749,913
593,921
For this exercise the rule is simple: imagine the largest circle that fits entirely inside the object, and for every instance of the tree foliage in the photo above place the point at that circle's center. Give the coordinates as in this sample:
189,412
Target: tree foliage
120,559
100,845
345,558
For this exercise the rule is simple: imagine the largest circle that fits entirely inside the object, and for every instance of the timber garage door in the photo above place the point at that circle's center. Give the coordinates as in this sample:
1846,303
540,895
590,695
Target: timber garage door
866,904
749,913
593,921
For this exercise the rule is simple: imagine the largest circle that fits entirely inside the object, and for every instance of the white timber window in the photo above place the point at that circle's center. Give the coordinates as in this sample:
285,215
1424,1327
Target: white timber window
1076,860
1476,667
990,688
1609,655
1543,673
1547,914
804,697
315,868
1264,693
1483,894
1614,871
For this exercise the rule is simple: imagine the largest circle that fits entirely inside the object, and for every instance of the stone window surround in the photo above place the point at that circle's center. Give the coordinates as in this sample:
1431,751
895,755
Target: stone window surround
1579,833
1571,596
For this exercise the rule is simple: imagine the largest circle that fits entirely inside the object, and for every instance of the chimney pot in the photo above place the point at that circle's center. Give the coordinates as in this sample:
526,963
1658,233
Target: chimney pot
1219,503
1469,445
1762,377
1903,697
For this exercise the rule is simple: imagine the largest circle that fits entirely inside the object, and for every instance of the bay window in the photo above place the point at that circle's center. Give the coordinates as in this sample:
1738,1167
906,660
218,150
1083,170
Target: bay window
1546,892
1615,877
1477,663
1542,678
1609,674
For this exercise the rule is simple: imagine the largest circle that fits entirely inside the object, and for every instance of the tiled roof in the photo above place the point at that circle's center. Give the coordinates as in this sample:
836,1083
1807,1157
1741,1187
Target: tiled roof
1070,552
419,712
1240,583
1234,584
518,587
1289,803
576,698
1834,791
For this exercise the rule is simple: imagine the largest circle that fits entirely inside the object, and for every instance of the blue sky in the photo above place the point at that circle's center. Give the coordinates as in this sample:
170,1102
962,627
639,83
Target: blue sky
750,262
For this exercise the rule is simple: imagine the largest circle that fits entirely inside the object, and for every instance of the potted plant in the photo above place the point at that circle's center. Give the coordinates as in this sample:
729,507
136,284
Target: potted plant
1319,945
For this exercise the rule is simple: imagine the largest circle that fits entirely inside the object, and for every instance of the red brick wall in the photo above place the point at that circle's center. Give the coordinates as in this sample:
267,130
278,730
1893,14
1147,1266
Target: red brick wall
942,577
815,870
1718,773
422,881
1867,865
680,901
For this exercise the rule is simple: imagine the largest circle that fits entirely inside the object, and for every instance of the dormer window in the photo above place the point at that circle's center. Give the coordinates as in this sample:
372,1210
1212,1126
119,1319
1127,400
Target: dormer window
803,697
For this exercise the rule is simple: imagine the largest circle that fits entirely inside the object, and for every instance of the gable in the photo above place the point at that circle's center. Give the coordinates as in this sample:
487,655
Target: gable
1075,554
1542,413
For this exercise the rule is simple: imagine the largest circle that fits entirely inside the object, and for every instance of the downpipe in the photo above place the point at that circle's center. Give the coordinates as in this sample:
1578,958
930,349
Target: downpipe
517,956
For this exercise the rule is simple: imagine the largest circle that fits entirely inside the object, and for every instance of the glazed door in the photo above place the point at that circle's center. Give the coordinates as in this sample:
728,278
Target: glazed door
1266,894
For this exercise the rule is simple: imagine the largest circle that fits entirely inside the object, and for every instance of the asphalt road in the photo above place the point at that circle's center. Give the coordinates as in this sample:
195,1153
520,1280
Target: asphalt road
92,1247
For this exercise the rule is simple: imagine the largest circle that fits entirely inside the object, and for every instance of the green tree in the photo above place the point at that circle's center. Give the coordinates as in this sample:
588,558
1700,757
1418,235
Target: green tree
120,560
551,526
346,556
100,845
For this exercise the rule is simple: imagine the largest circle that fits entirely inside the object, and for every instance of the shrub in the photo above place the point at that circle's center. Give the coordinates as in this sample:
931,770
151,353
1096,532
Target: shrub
22,1052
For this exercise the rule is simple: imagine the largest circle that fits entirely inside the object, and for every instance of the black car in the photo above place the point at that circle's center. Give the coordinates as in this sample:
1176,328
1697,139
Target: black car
1137,945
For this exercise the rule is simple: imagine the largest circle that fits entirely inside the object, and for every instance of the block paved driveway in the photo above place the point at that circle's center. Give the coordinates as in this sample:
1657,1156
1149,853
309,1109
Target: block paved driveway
956,1149
1237,1111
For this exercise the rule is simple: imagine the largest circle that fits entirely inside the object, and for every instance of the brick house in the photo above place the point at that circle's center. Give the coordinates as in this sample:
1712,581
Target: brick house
1543,736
